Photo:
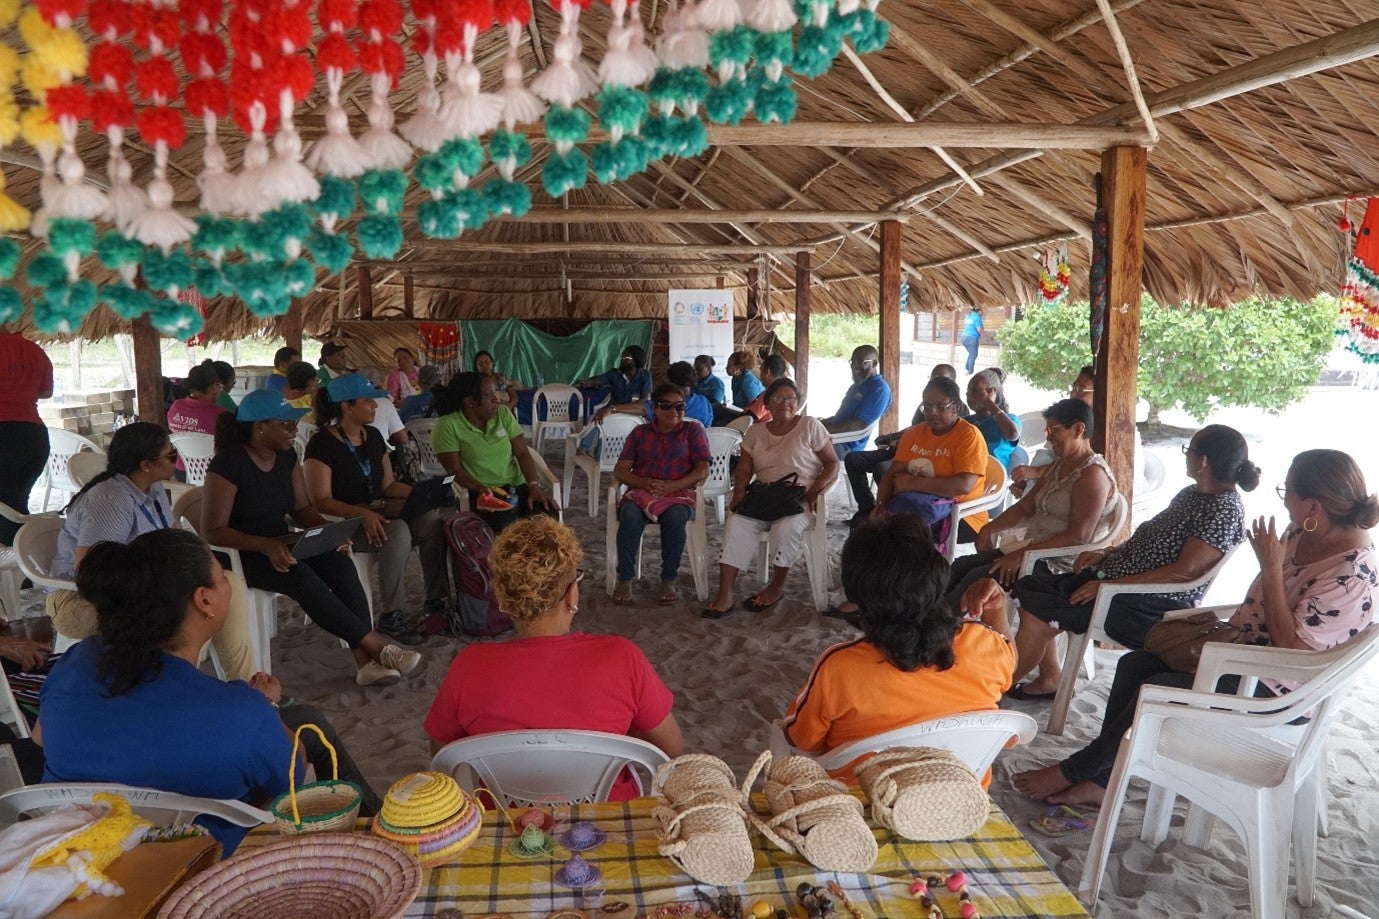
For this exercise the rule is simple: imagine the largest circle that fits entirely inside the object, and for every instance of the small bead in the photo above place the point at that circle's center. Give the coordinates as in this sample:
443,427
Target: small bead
956,880
918,888
935,880
969,911
761,910
964,895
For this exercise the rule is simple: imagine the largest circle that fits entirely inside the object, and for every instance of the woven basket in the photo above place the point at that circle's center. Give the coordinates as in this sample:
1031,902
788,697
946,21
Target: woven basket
340,875
924,793
317,807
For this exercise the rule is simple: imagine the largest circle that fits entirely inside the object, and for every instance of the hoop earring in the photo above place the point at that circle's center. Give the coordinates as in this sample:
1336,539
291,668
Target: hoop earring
1312,528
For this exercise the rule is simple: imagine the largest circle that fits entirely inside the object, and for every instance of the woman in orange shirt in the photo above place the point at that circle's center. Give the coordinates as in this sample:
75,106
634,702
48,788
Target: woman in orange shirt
916,660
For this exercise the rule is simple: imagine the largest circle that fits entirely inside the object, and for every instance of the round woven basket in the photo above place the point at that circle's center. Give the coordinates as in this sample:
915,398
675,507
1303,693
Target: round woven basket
318,807
340,875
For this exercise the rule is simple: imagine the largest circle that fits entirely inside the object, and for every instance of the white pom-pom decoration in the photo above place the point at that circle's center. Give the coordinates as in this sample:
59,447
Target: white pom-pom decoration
466,111
337,153
384,149
160,225
425,130
218,186
775,15
520,105
719,15
73,197
567,79
622,65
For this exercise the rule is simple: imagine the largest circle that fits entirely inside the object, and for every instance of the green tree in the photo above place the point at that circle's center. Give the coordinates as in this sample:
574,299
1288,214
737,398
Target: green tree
1260,353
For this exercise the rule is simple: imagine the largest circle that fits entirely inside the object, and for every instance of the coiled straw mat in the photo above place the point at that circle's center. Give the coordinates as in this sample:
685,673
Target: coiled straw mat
340,875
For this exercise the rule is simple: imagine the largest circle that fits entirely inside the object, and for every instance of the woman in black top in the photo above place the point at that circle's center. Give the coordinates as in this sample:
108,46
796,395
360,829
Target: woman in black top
348,474
253,485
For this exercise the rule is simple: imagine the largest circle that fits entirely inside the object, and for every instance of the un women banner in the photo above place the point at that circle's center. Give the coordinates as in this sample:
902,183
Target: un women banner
701,322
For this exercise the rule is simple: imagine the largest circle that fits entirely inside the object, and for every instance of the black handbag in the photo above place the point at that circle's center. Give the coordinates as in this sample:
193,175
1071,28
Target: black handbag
768,501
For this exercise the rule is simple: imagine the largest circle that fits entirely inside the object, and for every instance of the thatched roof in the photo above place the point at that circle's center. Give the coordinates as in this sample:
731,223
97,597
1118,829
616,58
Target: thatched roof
1243,186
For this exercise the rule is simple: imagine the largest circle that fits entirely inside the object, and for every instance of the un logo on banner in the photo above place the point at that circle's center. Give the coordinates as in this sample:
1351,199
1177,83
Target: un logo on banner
697,309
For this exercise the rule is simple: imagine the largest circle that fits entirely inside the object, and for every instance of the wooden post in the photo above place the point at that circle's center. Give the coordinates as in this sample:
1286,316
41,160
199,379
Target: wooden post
889,344
365,293
148,372
1117,367
803,281
291,326
753,292
407,297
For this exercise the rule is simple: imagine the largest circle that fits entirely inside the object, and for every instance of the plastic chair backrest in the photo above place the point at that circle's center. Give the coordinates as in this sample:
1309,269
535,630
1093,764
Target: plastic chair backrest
305,431
188,508
974,737
1018,457
419,431
547,767
613,433
1154,474
62,445
35,546
84,466
724,443
561,402
741,423
196,451
1032,429
847,437
164,808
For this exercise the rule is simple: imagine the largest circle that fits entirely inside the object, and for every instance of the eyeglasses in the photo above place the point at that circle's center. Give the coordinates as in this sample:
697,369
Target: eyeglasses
579,576
1282,491
1188,449
865,363
667,405
170,456
785,400
1050,428
928,407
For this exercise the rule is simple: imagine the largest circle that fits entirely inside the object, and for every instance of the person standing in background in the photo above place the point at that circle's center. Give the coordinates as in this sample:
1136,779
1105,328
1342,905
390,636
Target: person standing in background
26,375
972,328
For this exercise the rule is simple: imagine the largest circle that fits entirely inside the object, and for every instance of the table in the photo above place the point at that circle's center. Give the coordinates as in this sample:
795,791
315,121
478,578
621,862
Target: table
1007,878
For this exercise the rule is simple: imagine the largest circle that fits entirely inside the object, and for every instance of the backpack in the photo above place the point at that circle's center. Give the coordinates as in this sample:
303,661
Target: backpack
475,610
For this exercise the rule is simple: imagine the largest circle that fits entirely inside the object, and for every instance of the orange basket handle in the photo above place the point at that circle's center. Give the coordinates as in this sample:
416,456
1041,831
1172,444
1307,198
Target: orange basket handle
292,766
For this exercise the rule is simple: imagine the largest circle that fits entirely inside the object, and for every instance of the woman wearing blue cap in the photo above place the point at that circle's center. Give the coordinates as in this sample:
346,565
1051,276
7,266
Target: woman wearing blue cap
348,474
253,485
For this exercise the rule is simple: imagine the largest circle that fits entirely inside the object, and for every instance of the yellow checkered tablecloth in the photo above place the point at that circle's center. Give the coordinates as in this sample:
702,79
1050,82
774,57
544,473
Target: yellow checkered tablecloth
1007,878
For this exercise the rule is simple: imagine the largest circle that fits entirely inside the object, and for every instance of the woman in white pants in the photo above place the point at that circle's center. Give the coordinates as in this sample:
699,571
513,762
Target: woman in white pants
788,443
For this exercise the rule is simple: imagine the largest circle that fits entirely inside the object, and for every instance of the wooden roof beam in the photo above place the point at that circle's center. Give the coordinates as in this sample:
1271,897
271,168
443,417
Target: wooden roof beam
460,246
1014,26
675,215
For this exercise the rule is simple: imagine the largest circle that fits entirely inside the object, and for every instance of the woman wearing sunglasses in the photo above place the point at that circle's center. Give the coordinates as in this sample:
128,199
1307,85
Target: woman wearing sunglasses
127,500
551,677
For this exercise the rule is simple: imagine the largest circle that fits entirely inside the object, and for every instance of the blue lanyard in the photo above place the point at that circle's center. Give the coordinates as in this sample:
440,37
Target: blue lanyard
161,523
365,465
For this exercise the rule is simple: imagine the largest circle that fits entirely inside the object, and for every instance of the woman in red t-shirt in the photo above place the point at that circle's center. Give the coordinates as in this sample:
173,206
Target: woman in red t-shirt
26,375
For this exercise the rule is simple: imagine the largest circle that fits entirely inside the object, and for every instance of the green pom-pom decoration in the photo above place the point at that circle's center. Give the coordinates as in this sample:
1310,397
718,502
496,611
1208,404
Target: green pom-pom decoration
379,235
816,49
622,107
126,302
691,86
502,196
299,277
116,251
564,173
439,219
211,280
60,309
216,235
69,235
168,273
176,320
433,173
729,103
337,197
282,229
776,101
505,145
869,31
619,161
691,136
773,47
733,47
45,270
382,190
658,136
471,207
332,251
663,89
11,305
9,257
464,154
566,125
252,282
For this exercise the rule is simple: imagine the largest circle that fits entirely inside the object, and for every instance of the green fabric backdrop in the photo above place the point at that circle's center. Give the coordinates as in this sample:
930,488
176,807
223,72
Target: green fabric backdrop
524,353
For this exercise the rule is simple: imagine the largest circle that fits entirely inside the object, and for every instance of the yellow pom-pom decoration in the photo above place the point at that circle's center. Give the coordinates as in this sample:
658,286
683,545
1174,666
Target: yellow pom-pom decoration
9,12
14,217
39,128
9,65
37,78
33,27
61,51
9,119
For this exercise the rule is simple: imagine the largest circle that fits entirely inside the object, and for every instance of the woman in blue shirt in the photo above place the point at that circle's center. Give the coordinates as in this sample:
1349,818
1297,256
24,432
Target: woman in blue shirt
972,328
708,385
742,367
630,381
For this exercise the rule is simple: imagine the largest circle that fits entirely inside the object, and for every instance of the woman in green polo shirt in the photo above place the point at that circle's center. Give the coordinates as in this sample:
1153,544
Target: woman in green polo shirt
480,443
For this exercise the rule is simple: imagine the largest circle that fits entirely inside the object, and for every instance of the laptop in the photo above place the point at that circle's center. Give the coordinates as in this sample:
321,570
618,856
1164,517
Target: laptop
320,540
428,494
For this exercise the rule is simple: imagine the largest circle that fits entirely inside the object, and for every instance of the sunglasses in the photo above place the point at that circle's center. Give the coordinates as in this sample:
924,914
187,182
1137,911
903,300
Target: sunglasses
171,456
667,405
1282,491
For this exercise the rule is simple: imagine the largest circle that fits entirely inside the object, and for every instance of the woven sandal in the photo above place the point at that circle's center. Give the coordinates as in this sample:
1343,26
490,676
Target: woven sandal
924,794
812,815
702,827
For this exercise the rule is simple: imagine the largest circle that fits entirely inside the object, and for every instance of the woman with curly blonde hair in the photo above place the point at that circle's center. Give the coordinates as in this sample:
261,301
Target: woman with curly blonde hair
550,677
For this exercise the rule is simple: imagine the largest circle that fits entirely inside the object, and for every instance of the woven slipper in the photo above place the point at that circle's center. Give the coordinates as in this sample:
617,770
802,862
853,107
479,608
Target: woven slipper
923,793
812,814
1062,820
753,605
701,825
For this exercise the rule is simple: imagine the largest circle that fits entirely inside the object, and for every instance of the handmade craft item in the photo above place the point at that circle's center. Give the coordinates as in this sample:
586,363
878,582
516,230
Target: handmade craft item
812,814
429,815
534,842
581,837
578,873
1359,318
701,823
924,793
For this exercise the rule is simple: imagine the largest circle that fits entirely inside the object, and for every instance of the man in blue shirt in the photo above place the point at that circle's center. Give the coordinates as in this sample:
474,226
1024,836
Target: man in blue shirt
282,359
865,402
630,380
972,335
681,375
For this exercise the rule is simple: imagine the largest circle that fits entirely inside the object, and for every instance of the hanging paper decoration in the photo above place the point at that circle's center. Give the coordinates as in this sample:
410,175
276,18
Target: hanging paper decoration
1359,319
440,343
1054,274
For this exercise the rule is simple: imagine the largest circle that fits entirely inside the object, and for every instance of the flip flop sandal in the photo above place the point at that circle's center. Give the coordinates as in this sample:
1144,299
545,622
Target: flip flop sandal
753,605
709,612
622,594
1062,820
1019,694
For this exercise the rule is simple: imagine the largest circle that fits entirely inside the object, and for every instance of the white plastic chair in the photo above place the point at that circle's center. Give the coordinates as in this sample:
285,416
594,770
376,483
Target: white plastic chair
35,546
83,467
697,549
1154,475
724,444
989,500
305,431
1261,786
976,738
1120,513
164,808
741,423
61,446
196,451
815,558
613,433
419,431
10,712
1032,430
555,412
10,573
1080,646
547,767
263,604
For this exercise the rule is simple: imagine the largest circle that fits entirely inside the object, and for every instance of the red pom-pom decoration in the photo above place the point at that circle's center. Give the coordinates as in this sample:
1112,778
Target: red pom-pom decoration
162,124
111,61
109,19
345,13
60,12
294,74
385,57
420,43
203,54
68,101
207,95
111,108
156,78
478,13
201,15
518,11
159,24
335,53
380,18
288,27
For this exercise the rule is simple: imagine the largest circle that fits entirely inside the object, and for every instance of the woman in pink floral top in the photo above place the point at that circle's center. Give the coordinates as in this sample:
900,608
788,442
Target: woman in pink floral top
1317,587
